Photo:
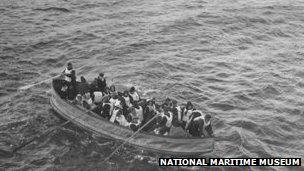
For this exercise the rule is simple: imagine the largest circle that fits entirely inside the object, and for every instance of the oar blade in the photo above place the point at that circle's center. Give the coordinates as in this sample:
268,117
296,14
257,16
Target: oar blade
25,87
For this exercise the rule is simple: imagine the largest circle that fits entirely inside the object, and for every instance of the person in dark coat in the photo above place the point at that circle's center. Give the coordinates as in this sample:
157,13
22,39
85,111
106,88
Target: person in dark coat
99,84
176,110
83,86
69,75
200,125
149,113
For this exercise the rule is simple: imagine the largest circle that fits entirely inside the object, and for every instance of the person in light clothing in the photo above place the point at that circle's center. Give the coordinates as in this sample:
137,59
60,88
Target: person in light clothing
134,97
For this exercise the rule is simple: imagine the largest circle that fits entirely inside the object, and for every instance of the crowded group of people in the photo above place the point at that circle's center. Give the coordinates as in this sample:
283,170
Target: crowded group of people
128,109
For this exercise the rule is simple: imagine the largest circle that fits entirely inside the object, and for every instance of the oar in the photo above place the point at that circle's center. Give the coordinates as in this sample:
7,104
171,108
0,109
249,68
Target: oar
34,84
128,139
43,134
44,81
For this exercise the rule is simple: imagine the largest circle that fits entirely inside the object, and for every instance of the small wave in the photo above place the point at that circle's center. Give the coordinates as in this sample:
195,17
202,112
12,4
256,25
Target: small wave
25,62
253,20
300,84
278,33
5,154
3,93
213,80
40,162
88,6
184,24
80,36
246,124
243,97
53,9
217,88
270,90
208,15
222,106
29,74
44,44
56,62
223,75
7,57
3,76
39,99
244,40
262,37
143,44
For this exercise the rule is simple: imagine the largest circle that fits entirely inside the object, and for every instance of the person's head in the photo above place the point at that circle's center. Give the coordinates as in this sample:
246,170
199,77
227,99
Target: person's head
207,118
101,75
79,98
87,95
160,109
150,103
174,103
112,88
167,100
132,90
130,110
136,105
106,108
69,66
118,104
126,93
114,96
82,79
189,105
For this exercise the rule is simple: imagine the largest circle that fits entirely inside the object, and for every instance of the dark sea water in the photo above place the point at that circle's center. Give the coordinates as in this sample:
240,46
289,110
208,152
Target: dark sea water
242,61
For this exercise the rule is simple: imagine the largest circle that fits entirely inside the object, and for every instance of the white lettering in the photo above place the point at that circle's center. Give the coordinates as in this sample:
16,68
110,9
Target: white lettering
185,162
213,161
170,162
263,162
162,162
179,162
253,162
296,162
192,162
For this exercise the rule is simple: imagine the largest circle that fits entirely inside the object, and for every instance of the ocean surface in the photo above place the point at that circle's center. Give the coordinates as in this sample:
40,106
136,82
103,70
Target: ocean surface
242,61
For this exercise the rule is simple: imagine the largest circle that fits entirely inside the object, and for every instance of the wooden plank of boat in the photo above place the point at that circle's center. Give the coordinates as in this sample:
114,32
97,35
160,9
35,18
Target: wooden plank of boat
151,142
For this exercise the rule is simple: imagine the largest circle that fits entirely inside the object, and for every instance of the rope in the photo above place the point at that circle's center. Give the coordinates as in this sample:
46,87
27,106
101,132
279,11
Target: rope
48,131
127,140
44,133
46,80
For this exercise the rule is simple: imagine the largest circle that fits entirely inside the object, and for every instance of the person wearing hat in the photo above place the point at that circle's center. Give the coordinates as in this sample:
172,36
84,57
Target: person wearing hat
99,84
164,122
199,124
167,105
83,86
126,98
134,95
177,111
186,113
69,73
69,77
148,114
